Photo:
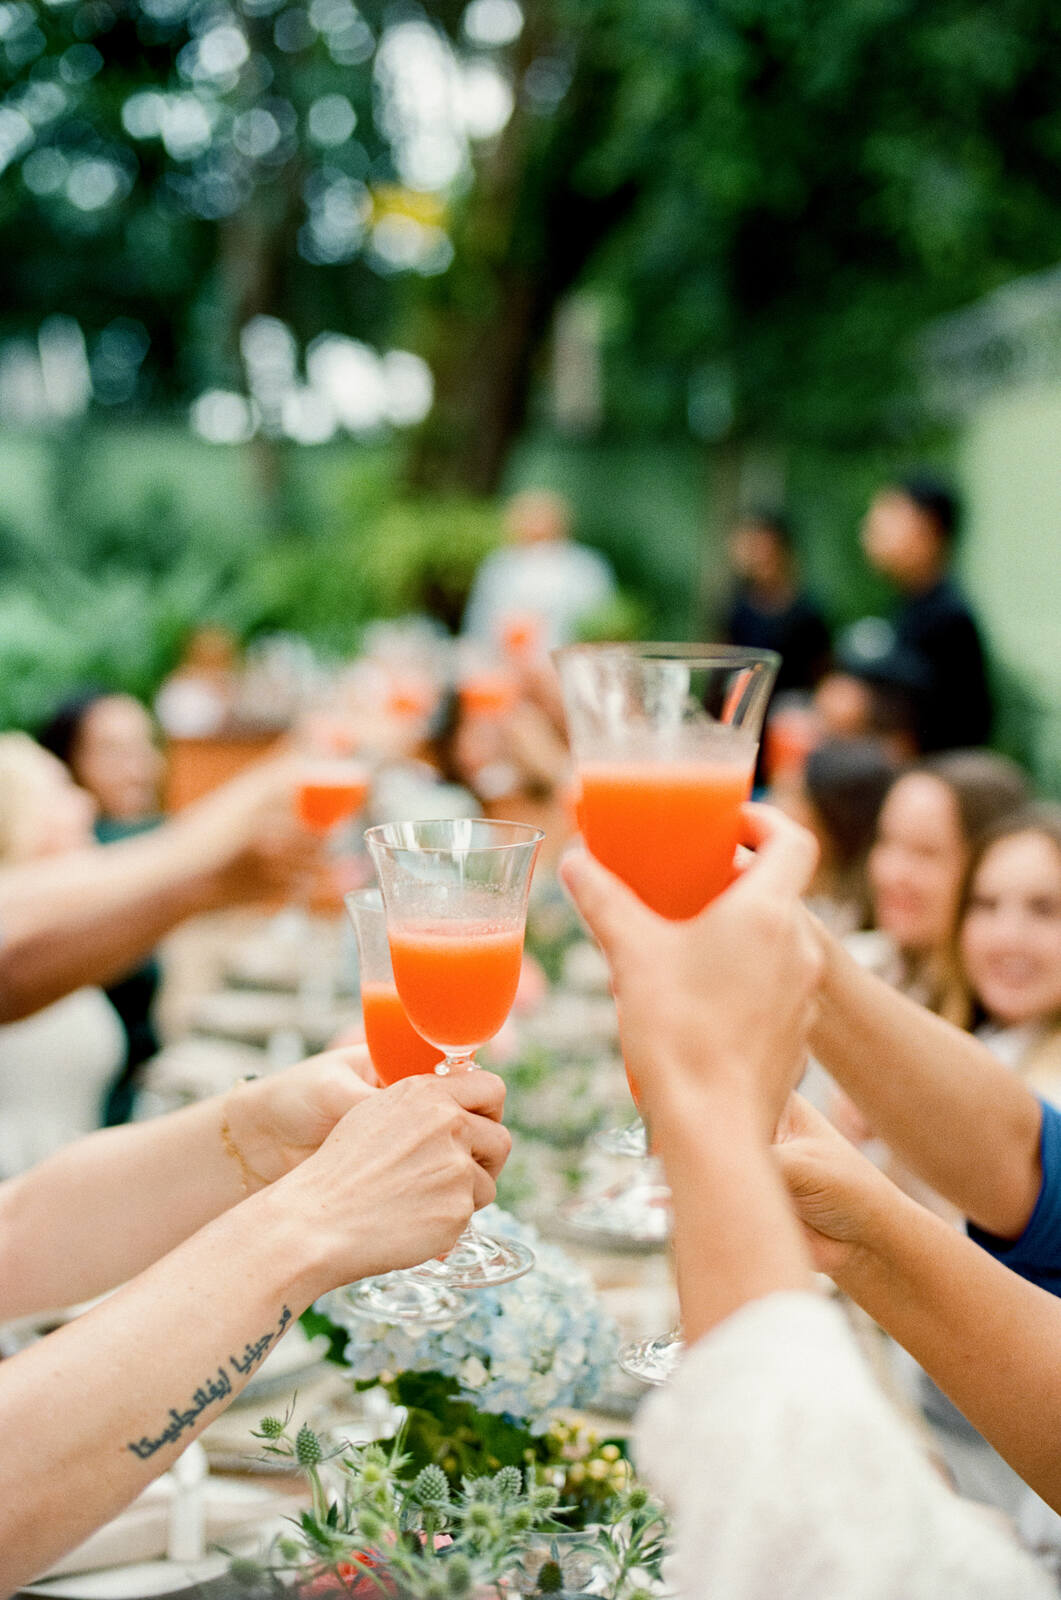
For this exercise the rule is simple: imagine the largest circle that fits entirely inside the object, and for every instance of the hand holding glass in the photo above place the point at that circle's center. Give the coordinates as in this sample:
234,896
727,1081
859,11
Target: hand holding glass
397,1051
455,893
665,739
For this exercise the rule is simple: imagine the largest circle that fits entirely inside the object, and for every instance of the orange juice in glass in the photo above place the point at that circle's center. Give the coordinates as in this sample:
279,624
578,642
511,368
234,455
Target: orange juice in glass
664,739
330,792
521,634
455,895
457,982
487,693
397,1050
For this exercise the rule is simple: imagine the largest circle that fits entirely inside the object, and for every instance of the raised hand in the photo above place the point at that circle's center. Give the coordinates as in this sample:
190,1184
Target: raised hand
838,1195
398,1177
276,1122
726,999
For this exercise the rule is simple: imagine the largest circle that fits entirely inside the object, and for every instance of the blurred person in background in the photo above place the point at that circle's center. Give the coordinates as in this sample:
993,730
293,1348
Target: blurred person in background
770,609
533,593
199,696
109,744
56,1066
909,535
88,915
1008,945
838,797
59,1065
928,824
870,697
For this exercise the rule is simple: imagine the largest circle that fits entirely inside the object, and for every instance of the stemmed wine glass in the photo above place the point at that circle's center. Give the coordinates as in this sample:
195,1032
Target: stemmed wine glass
397,1051
455,894
664,738
331,789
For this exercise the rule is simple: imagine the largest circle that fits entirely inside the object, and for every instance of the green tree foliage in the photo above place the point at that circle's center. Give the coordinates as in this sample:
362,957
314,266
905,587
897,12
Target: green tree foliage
769,196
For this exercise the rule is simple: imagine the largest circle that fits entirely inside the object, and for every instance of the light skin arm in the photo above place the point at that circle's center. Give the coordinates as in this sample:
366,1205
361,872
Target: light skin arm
88,916
713,1016
105,1404
988,1338
67,1229
954,1114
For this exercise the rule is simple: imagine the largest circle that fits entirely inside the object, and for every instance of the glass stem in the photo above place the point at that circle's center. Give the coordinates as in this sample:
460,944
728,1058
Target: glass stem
464,1062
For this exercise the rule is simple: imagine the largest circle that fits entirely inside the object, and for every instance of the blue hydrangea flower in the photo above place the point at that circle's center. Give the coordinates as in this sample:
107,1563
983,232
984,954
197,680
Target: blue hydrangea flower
520,1350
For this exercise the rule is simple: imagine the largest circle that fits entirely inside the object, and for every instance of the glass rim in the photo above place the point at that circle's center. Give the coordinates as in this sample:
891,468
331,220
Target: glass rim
706,655
370,898
528,835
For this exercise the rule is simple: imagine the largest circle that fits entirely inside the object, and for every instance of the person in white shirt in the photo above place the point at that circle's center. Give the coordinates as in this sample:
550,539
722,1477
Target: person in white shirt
540,583
788,1476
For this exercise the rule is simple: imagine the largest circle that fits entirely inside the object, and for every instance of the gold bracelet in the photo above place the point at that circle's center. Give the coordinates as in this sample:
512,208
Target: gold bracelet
231,1148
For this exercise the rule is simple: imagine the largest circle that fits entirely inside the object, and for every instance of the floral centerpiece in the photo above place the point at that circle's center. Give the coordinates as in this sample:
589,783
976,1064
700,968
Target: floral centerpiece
372,1531
483,1393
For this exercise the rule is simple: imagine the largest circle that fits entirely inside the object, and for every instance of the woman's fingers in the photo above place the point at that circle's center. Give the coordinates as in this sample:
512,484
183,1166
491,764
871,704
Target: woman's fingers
488,1143
786,855
480,1092
612,912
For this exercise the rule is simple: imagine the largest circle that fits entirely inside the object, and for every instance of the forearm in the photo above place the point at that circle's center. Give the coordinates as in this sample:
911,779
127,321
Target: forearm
787,1474
952,1112
735,1238
91,945
102,1209
96,1410
988,1338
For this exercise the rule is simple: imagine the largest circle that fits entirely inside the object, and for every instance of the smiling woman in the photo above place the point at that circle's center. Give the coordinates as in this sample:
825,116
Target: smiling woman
1009,944
931,818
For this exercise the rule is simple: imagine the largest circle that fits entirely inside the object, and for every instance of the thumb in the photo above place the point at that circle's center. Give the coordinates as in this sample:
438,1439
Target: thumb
611,911
798,1120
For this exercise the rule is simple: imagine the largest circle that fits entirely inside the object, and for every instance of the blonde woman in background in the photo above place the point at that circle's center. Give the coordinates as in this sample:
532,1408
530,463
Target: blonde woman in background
56,1065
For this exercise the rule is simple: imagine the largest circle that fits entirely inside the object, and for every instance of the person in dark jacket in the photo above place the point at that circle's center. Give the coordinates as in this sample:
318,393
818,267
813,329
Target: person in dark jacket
769,609
909,535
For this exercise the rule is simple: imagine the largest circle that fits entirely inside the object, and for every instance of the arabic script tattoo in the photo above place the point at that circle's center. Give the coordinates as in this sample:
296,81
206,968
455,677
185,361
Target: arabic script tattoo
217,1387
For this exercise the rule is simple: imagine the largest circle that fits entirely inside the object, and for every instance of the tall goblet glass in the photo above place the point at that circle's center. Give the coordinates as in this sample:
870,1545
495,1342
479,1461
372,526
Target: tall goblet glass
397,1051
664,738
455,893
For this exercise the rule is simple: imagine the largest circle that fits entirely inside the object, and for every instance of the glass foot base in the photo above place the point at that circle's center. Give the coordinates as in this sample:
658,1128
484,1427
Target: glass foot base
652,1360
403,1297
635,1214
629,1141
478,1261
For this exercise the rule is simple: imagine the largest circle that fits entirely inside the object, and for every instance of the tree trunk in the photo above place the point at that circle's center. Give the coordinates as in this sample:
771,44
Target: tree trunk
525,236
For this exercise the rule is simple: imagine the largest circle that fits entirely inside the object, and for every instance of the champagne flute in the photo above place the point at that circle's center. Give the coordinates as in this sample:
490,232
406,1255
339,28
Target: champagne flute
455,893
397,1052
664,738
332,788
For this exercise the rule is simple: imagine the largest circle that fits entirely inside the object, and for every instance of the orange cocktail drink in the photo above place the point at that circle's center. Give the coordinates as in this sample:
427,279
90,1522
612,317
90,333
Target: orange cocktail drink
329,795
455,899
669,829
397,1050
487,694
457,979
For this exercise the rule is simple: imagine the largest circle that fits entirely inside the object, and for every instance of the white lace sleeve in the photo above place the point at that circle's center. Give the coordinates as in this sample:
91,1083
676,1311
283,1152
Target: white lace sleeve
790,1477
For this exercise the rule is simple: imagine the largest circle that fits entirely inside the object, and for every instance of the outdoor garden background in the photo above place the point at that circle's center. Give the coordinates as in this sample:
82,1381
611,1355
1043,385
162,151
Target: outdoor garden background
291,294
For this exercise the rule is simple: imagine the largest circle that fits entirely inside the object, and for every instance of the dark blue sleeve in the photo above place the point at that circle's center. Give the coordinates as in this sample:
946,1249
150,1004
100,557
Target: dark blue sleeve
1036,1255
